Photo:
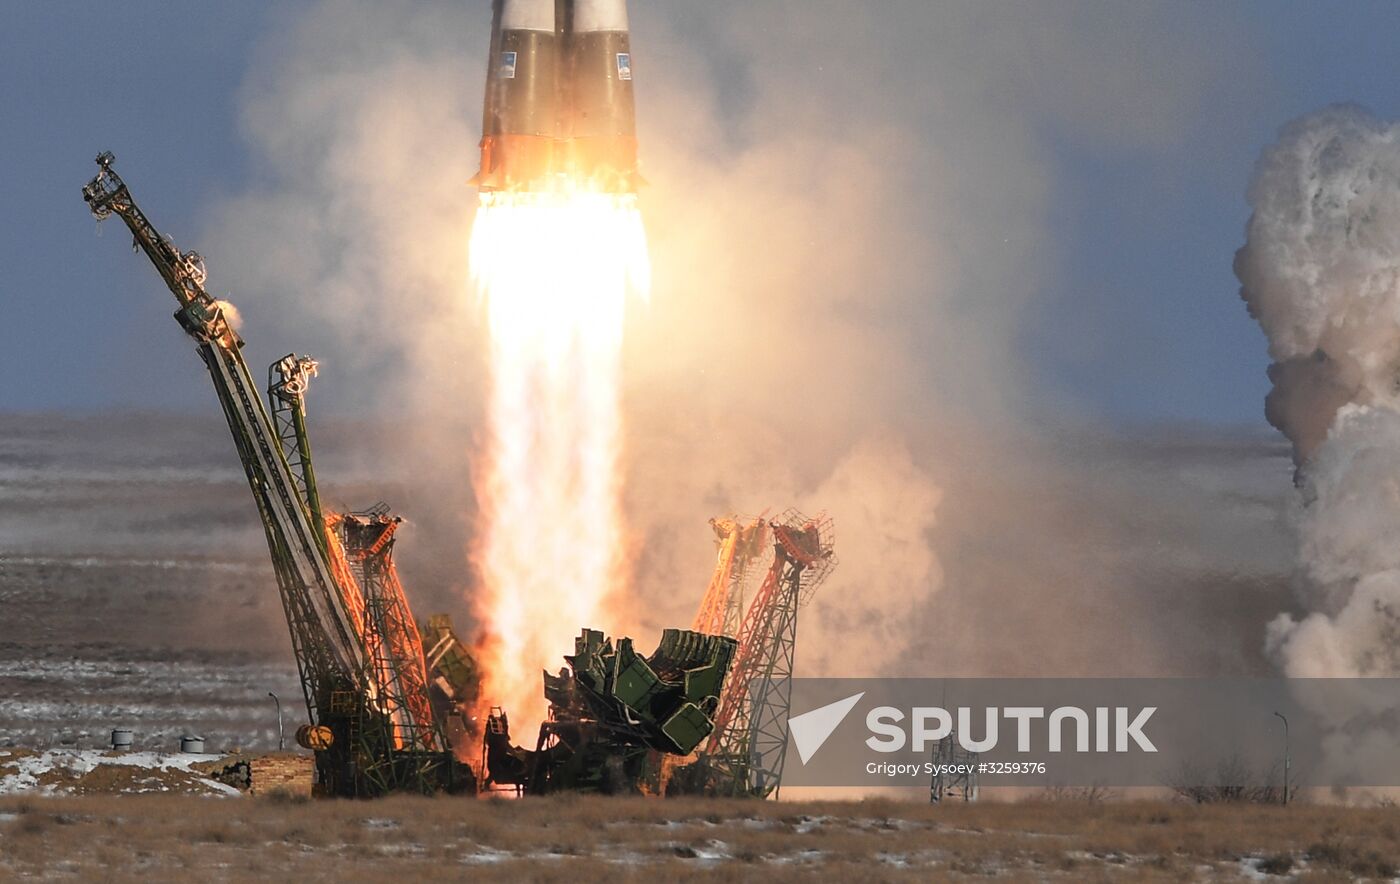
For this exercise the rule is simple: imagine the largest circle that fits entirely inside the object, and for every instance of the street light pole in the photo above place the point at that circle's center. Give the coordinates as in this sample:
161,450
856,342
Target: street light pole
279,720
1287,761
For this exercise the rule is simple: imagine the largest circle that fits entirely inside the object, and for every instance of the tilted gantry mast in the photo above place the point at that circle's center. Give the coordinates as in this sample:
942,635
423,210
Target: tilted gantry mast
738,545
327,651
363,744
287,381
359,547
748,746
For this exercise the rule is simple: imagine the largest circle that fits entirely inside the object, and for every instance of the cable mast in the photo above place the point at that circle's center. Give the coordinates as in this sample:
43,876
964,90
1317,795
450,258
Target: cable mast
738,546
361,667
748,747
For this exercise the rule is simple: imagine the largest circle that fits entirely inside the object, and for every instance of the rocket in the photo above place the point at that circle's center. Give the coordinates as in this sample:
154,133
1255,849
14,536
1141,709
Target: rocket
559,110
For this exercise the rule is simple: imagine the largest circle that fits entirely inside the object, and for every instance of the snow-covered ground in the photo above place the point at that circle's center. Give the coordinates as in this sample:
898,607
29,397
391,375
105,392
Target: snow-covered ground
78,771
136,587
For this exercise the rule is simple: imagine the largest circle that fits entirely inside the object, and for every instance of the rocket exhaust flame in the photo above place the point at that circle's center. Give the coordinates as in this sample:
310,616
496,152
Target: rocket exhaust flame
556,248
554,272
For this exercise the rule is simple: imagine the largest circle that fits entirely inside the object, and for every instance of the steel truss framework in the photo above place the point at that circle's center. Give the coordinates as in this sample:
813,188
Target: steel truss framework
748,750
739,544
331,628
962,784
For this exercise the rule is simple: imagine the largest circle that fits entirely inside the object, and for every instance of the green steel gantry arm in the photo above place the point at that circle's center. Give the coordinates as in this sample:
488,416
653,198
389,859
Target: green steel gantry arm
287,381
330,654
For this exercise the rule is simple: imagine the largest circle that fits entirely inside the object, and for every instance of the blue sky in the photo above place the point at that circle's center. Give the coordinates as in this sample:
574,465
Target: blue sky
1137,318
1159,251
156,82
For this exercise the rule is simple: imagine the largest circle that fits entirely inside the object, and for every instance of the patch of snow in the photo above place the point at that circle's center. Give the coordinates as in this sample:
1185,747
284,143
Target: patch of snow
22,773
886,824
1249,869
161,564
955,830
662,824
801,856
713,849
486,855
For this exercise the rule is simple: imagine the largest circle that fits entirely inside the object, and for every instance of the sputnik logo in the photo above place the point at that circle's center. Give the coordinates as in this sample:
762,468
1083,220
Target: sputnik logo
811,729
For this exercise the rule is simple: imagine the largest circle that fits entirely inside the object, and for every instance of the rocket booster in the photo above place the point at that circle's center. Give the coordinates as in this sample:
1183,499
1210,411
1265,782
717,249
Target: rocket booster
559,110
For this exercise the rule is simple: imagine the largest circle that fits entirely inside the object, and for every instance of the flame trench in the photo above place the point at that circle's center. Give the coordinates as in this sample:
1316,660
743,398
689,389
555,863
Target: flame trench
554,272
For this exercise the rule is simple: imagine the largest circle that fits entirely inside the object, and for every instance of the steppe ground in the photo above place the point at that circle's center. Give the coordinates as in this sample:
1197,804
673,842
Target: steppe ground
580,839
137,590
137,593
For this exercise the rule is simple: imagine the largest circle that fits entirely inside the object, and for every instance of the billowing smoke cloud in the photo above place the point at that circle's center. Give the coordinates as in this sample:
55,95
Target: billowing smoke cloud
1350,564
1321,272
849,216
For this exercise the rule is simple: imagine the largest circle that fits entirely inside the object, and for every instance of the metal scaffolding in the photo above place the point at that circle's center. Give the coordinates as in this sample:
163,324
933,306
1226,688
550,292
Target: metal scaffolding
954,772
738,545
748,748
345,641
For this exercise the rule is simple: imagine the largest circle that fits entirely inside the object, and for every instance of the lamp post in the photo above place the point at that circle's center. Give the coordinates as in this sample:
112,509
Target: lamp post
1286,759
279,719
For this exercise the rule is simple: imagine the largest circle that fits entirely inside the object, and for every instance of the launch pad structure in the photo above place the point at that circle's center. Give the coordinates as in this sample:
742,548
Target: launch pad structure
357,649
387,699
739,545
748,748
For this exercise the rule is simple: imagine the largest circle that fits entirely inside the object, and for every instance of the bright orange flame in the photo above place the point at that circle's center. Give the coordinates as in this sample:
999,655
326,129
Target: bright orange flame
554,271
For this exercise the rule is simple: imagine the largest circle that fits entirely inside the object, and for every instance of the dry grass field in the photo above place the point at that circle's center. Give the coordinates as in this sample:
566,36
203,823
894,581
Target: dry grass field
581,839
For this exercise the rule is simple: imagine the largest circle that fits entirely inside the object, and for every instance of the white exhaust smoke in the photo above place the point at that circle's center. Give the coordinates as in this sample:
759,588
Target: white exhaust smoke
1320,271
